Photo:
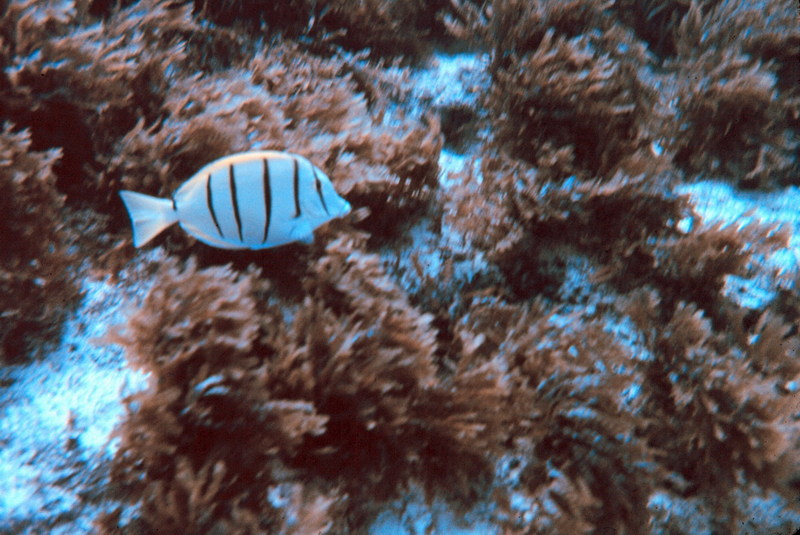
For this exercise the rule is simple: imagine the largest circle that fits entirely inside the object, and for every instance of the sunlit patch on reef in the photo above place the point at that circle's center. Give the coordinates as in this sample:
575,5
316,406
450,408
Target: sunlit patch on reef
565,299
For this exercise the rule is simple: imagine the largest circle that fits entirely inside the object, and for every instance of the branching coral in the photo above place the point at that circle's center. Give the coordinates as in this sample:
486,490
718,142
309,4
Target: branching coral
303,395
526,218
737,113
572,427
36,277
346,392
566,85
715,417
387,27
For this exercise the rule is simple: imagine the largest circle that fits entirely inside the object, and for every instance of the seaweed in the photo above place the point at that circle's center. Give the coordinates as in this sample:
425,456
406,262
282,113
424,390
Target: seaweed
658,21
367,361
122,97
572,87
190,455
37,280
81,86
390,27
708,364
694,267
733,121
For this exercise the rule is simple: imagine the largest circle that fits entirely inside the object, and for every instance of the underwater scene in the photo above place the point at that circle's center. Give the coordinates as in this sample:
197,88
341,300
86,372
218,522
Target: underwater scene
400,267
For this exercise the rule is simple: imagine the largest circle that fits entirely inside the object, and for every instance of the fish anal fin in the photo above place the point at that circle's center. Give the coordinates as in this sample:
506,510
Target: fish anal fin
208,240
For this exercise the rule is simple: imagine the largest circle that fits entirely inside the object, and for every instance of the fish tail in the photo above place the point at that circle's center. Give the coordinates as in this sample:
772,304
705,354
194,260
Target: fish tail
149,215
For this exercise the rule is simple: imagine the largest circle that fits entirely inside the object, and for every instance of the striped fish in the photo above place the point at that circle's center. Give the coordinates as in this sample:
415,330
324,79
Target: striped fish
250,200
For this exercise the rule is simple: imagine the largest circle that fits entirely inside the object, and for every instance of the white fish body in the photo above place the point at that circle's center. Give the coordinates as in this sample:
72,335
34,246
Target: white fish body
250,200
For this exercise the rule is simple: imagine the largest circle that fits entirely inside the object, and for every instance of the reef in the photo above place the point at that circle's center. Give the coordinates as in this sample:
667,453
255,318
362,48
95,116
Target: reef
549,334
37,281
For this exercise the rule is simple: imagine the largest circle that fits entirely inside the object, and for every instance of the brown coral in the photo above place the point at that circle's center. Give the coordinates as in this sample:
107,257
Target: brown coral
567,84
346,391
304,394
573,428
737,115
386,27
36,268
714,417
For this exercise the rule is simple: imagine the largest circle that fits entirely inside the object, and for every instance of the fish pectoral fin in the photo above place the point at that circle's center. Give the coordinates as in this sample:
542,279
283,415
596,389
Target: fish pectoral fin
302,232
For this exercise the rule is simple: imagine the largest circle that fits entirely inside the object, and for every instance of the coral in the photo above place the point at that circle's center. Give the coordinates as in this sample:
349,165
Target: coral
733,120
524,218
573,430
346,392
550,334
386,27
566,84
37,282
715,415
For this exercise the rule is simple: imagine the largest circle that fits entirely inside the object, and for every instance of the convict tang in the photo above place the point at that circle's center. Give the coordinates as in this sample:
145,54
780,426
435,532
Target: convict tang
250,200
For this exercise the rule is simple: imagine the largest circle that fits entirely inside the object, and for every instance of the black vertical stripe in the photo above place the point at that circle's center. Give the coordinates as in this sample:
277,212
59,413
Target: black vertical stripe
319,191
235,201
267,200
296,186
210,203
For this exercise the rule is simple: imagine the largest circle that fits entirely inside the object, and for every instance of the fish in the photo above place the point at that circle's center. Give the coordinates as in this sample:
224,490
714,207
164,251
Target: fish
249,200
